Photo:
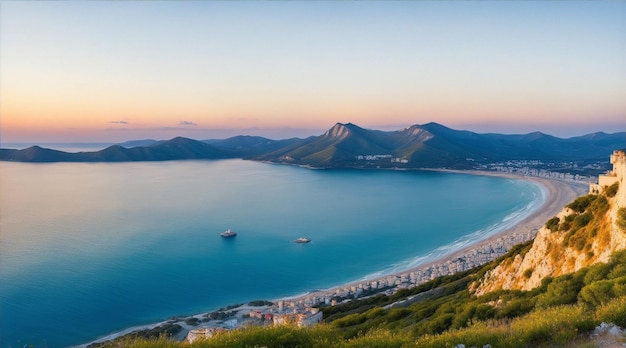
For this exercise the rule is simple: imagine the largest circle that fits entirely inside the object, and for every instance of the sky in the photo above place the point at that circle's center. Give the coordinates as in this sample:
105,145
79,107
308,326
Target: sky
81,71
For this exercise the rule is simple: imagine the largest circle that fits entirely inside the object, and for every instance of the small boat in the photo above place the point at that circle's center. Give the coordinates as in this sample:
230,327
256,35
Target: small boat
302,240
228,233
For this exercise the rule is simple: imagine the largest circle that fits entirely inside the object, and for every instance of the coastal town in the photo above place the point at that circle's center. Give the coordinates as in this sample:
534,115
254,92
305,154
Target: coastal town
268,313
584,172
539,169
304,311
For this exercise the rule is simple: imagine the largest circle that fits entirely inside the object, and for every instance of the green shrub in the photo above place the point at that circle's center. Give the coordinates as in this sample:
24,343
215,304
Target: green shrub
515,308
374,312
477,335
619,287
610,191
562,290
618,270
553,224
613,311
464,316
484,312
580,204
596,272
398,313
618,259
378,339
440,323
528,273
350,320
597,293
280,336
600,206
582,220
558,325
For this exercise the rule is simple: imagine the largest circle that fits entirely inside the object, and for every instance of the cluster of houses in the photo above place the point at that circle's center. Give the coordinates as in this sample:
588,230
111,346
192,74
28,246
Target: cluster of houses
372,157
204,333
618,160
392,283
381,157
541,173
283,313
295,314
529,168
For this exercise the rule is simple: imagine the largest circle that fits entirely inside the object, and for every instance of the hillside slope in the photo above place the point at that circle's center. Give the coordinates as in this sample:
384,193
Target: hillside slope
337,147
585,232
433,145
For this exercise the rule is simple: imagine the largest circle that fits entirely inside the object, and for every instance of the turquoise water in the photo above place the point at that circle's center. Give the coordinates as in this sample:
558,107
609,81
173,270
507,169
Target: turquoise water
90,249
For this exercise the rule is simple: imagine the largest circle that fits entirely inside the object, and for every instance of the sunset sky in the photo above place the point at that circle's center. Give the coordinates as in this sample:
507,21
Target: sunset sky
79,71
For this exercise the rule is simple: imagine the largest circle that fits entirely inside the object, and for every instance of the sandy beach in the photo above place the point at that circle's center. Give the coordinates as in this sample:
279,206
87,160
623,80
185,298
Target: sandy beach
557,194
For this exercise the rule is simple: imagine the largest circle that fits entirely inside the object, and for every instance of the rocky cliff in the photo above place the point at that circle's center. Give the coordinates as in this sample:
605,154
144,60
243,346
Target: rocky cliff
585,232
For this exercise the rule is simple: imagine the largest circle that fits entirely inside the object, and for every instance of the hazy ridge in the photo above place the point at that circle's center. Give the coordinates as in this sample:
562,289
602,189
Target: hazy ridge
347,145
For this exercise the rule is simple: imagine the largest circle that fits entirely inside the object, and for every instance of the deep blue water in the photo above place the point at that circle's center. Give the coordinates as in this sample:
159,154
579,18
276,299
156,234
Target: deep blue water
90,249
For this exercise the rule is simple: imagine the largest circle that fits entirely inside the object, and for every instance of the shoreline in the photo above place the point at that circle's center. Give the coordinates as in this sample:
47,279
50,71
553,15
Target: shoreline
557,194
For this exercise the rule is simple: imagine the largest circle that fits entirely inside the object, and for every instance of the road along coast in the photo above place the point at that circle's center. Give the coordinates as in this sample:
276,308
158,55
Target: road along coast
443,261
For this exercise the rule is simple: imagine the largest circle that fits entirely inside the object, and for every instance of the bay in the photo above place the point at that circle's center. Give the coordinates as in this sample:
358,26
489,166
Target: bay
87,249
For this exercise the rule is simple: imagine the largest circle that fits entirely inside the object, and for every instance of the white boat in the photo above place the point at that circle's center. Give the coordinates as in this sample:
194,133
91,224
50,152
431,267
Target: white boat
302,240
228,233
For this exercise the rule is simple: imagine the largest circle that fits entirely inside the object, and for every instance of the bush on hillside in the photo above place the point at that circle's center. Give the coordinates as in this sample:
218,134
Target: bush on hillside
596,273
582,220
553,224
610,191
580,204
597,293
613,312
561,291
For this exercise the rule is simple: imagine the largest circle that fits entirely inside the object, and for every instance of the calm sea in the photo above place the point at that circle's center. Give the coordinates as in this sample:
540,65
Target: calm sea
90,249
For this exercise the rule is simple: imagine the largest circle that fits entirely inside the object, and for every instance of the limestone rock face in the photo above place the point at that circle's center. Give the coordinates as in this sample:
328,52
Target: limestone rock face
554,253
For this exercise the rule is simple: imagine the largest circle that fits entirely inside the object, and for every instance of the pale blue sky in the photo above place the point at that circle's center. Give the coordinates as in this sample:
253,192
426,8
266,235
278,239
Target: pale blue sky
114,70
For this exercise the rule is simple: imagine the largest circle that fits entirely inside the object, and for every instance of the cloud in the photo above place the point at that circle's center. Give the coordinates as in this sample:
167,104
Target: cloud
119,122
187,123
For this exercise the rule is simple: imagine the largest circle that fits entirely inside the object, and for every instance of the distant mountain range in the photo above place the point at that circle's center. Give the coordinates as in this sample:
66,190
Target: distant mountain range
347,145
